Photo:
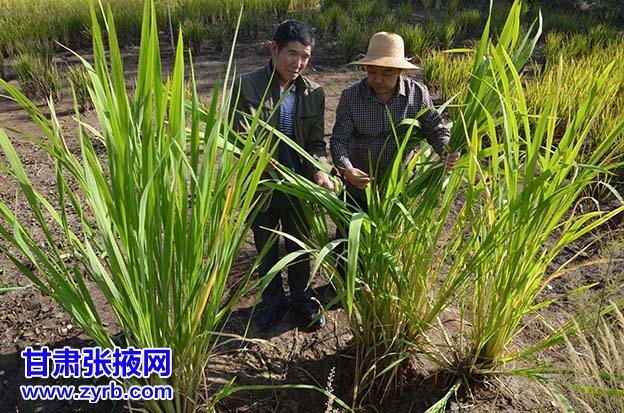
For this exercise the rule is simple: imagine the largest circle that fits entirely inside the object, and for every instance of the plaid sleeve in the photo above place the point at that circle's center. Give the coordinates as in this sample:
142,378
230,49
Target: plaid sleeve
343,127
431,121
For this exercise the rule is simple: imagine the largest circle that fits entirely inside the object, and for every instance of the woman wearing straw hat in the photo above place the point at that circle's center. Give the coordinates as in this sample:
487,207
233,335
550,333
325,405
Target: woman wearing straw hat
362,134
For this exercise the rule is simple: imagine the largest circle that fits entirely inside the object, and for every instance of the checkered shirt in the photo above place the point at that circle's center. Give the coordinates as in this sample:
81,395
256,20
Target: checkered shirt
363,131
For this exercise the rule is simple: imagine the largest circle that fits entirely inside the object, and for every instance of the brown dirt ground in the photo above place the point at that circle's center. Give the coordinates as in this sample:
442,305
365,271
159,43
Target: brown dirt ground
287,355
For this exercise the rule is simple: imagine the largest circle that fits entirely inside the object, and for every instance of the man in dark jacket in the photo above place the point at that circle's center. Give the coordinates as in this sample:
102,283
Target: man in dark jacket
300,116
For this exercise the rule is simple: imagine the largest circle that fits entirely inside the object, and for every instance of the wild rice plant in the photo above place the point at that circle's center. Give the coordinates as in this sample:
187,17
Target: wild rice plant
453,7
37,76
194,32
219,36
403,268
574,78
156,226
450,33
403,12
448,73
426,4
352,41
602,36
364,10
337,18
388,23
528,185
321,22
416,40
554,45
79,80
567,22
468,22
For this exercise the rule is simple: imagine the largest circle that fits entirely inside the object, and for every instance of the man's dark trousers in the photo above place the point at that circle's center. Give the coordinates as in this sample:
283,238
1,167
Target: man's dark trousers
287,211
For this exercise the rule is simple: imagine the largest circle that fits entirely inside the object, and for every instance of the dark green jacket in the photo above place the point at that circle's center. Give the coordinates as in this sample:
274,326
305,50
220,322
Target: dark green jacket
309,113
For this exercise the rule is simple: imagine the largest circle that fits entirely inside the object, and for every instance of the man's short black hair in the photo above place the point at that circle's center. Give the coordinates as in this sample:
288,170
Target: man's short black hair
293,31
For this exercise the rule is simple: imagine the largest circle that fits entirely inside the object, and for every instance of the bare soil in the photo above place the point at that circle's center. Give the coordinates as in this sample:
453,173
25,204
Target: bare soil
286,354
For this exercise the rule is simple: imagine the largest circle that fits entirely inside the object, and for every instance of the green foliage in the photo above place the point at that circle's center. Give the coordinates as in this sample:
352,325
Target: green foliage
193,30
388,23
322,22
352,41
526,219
567,22
408,259
38,76
156,224
366,11
453,7
426,4
573,69
219,35
446,72
336,17
80,82
67,21
450,31
416,40
468,22
403,12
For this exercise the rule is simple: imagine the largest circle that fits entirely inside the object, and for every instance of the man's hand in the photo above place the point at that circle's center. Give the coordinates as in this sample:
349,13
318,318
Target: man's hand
451,160
322,179
357,177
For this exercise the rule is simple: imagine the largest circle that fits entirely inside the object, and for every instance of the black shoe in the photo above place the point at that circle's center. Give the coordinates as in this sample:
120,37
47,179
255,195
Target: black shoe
313,315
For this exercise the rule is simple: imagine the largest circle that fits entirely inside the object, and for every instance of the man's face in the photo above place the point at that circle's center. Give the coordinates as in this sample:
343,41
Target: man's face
382,80
290,60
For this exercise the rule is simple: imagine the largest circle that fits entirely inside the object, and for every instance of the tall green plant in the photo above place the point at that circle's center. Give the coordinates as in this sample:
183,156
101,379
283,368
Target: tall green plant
406,258
157,225
527,185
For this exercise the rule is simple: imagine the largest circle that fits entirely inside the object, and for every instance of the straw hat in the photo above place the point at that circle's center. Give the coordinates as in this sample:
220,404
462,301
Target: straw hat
387,50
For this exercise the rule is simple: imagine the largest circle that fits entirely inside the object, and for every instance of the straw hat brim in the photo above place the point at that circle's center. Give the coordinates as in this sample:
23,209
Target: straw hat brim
385,61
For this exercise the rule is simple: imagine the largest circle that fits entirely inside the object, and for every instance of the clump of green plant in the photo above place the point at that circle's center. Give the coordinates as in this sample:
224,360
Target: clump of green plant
364,10
194,32
79,80
336,18
321,22
602,36
525,217
446,72
38,76
452,7
388,23
416,40
406,258
567,22
444,32
219,35
352,41
468,22
403,12
574,78
156,225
